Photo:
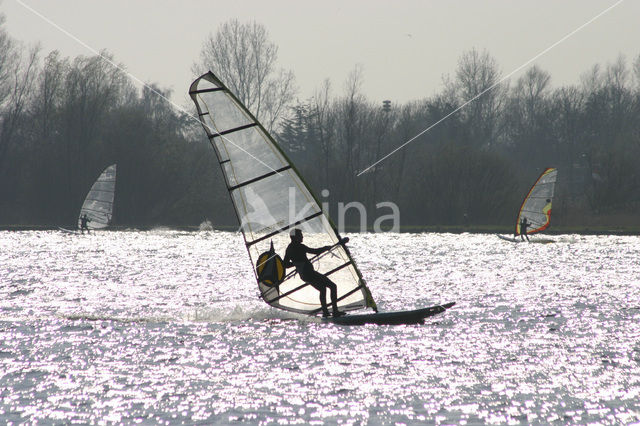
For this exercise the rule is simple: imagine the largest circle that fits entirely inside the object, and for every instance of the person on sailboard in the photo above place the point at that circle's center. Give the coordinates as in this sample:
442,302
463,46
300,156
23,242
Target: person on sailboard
523,229
84,220
296,256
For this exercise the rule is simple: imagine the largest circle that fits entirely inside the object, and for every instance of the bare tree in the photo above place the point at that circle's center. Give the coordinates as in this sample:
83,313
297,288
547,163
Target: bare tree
532,87
477,73
526,103
8,57
636,72
569,104
526,116
351,107
352,127
592,80
617,81
322,121
20,71
242,56
48,93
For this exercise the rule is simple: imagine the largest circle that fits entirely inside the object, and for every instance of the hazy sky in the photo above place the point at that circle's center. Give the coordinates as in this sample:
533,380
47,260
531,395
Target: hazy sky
404,47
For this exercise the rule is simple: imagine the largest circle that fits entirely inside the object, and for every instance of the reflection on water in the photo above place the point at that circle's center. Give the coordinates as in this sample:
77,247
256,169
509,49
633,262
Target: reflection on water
167,327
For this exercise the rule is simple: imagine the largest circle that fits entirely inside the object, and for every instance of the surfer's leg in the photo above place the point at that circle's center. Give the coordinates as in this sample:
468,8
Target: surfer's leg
333,288
323,299
318,285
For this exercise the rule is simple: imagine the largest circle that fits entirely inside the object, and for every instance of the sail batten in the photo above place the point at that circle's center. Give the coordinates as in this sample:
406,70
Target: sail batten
536,206
98,204
213,89
270,198
337,268
226,132
256,179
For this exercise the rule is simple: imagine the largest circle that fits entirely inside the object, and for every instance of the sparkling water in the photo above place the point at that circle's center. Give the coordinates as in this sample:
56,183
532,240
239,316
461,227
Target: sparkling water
167,327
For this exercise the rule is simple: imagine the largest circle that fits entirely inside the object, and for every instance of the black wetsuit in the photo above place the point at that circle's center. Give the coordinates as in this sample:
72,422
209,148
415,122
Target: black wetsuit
523,229
296,255
83,223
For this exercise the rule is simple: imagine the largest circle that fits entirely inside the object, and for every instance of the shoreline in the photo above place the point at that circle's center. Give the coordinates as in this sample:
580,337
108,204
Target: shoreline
417,229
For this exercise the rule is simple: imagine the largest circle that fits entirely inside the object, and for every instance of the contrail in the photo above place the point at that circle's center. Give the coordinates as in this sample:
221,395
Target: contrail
132,76
491,87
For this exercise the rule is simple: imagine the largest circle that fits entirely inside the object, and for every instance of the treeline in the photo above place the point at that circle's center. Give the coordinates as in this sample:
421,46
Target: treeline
477,164
62,121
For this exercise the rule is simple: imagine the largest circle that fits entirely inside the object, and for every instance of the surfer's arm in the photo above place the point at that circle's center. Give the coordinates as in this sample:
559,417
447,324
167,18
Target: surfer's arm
316,250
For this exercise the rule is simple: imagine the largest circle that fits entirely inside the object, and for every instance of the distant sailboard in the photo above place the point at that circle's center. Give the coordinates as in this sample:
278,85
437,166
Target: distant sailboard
519,240
536,207
98,204
271,198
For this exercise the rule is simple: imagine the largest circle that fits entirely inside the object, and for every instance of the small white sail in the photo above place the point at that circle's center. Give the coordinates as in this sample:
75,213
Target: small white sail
98,204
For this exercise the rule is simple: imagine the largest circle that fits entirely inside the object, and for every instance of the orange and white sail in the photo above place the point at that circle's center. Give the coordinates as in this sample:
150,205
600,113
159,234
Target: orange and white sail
536,207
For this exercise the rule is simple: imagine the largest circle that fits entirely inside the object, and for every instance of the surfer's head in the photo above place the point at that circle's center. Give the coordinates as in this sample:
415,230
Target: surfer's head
296,235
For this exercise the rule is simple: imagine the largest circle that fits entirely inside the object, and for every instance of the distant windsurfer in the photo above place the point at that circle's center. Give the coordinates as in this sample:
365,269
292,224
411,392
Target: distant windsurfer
523,229
84,220
296,256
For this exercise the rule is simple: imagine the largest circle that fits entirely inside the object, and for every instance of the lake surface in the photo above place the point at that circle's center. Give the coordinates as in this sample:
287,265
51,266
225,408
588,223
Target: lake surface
167,327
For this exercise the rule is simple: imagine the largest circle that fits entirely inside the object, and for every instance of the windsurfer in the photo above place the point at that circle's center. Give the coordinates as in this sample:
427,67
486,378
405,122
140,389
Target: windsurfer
84,220
523,229
296,256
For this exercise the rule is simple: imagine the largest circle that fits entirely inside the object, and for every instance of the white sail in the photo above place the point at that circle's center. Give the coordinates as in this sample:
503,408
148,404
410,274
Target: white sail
536,206
98,204
270,198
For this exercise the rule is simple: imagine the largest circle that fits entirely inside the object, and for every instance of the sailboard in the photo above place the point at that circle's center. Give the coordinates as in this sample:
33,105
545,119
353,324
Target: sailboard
536,207
519,240
416,316
98,204
270,199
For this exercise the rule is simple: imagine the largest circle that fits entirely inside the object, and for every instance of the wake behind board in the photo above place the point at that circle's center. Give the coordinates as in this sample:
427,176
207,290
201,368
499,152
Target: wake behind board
68,231
416,316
